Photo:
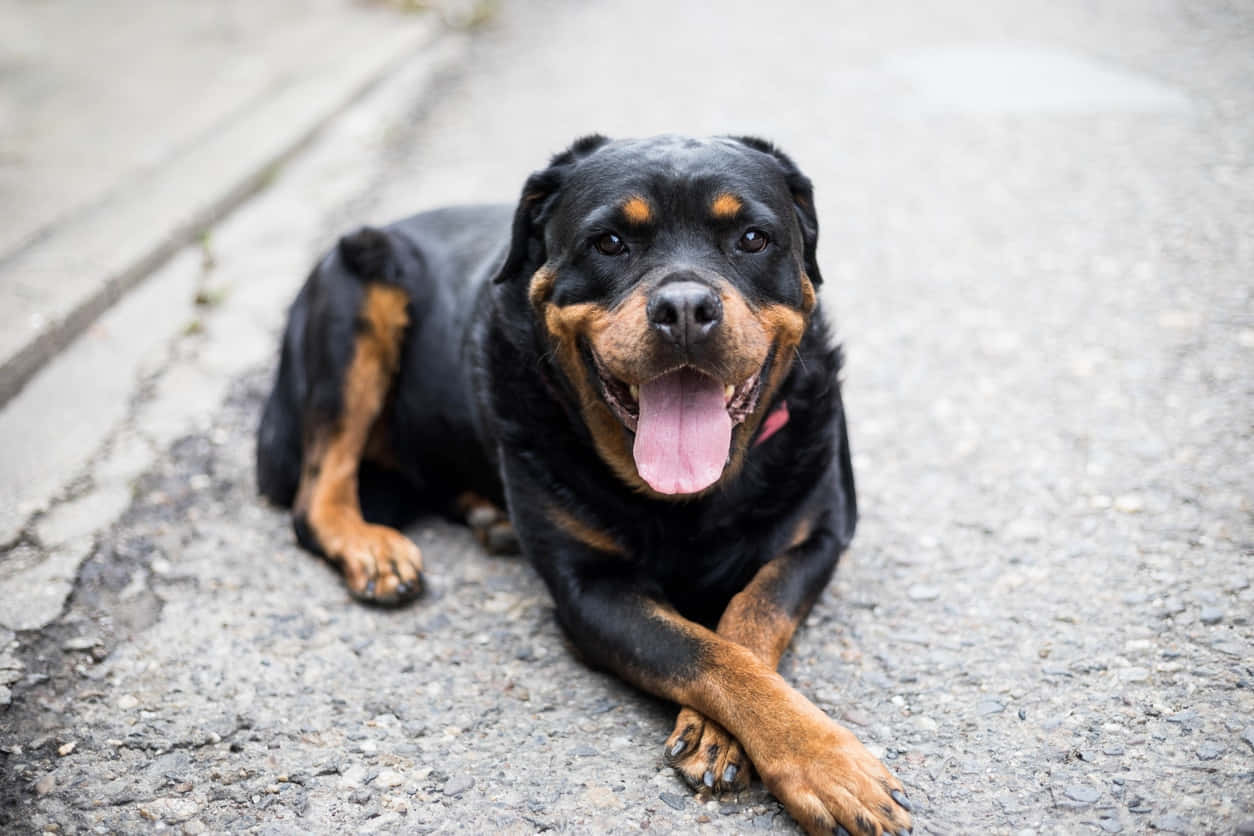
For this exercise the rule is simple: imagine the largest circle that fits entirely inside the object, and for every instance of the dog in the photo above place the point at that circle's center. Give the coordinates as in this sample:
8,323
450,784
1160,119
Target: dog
634,362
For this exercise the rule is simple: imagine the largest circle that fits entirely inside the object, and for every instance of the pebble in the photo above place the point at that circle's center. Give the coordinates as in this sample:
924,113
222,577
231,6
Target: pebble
1210,751
458,784
1248,736
1246,828
126,702
602,797
1110,825
675,802
389,778
1172,824
46,784
1129,503
1211,615
1134,674
1112,749
1083,793
1173,606
80,643
986,707
919,592
66,748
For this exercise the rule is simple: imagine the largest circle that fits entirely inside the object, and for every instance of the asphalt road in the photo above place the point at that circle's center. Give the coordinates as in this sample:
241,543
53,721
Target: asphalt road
1036,243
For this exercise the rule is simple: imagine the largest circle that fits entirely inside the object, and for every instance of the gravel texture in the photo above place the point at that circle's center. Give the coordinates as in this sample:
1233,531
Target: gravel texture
1044,625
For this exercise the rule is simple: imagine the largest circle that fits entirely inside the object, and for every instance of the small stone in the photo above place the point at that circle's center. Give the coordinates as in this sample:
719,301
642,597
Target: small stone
1210,751
919,592
986,707
1134,674
126,702
675,802
1248,736
66,748
1110,825
359,796
458,784
602,797
46,784
1025,529
1082,793
1171,823
1129,503
170,809
1211,615
583,750
80,643
1112,749
389,778
1246,828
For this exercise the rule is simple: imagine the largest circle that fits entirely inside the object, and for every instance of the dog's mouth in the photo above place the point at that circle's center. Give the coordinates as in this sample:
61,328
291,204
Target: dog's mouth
683,421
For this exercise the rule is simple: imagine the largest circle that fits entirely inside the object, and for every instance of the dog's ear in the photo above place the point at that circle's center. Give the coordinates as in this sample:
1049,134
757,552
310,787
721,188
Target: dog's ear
539,194
802,199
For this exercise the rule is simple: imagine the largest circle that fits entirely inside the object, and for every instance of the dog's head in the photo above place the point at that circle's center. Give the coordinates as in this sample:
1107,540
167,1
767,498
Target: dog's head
671,280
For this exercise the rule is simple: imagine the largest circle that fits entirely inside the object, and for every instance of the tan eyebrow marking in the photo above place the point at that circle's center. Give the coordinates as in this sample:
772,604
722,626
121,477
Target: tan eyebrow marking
726,206
637,210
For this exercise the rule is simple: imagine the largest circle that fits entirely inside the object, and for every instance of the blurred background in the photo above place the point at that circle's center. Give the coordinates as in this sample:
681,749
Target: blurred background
1035,238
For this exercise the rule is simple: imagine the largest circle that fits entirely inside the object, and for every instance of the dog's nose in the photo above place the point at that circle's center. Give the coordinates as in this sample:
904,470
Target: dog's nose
685,312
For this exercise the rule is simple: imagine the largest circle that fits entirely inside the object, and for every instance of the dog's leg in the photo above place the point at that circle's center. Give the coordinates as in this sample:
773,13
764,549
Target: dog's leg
762,618
379,563
489,524
817,768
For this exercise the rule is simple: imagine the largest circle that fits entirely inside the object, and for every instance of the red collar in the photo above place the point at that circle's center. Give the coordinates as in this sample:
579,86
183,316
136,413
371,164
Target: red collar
773,423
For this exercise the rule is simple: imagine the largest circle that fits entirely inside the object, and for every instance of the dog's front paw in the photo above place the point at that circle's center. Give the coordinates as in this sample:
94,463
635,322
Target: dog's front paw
705,755
830,783
380,564
489,524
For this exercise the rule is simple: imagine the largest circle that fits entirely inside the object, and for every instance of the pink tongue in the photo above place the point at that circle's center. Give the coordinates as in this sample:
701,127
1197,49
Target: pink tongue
683,433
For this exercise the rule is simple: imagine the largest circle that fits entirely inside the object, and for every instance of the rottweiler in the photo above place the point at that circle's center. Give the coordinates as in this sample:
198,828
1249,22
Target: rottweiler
633,363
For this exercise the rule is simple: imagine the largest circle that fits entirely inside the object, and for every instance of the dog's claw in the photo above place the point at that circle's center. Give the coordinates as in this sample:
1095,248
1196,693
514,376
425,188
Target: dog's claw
900,798
679,747
729,774
708,779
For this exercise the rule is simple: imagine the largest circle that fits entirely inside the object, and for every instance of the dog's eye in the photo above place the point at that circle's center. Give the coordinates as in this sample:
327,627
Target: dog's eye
610,244
753,241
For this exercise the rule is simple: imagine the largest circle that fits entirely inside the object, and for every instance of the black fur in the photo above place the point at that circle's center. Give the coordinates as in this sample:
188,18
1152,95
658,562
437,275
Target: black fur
480,404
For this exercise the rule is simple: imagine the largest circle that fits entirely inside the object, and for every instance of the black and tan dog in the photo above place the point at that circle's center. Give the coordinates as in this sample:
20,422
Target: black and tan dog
636,366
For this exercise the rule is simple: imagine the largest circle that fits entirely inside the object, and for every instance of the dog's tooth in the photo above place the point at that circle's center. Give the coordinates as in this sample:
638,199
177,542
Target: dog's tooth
635,391
728,391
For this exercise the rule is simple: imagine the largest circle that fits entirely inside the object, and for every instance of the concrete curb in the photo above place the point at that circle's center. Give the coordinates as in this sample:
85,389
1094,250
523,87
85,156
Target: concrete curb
96,258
